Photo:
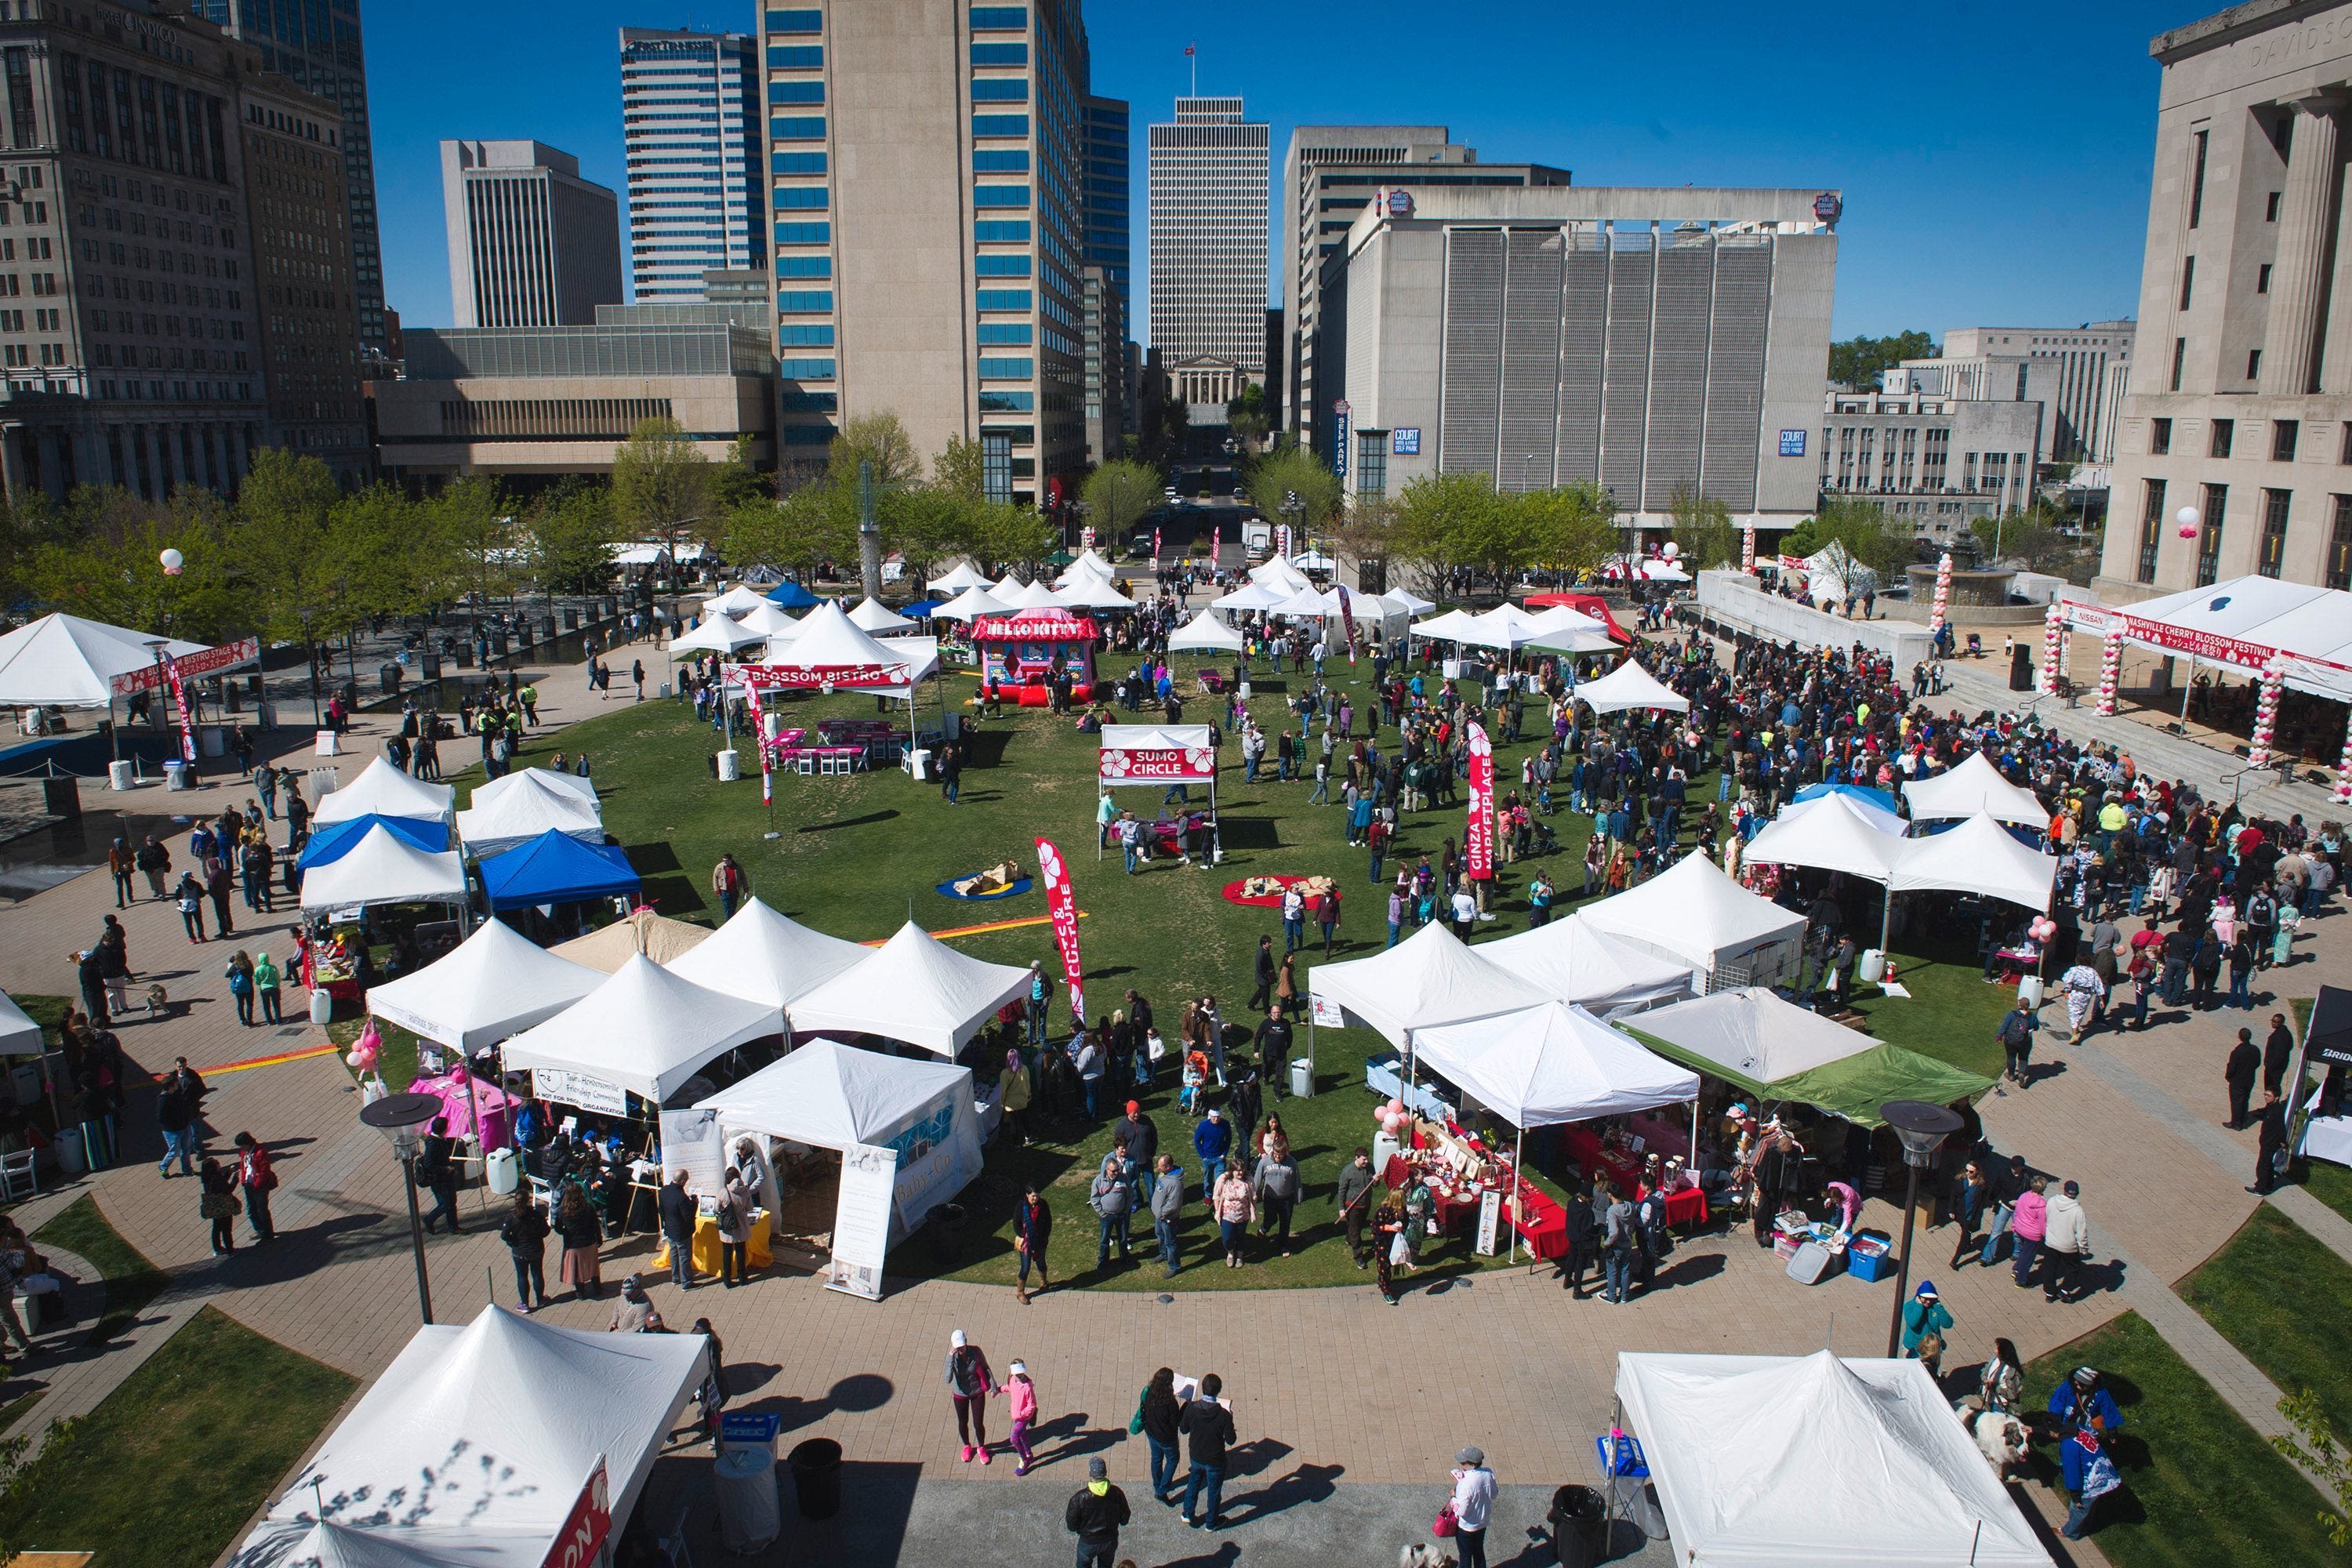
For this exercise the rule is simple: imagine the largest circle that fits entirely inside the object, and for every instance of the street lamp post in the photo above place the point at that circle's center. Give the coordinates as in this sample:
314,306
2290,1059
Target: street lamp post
403,1117
1922,1127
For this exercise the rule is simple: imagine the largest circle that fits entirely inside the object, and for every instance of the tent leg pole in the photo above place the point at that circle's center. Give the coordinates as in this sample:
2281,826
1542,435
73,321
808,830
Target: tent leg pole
1518,1174
1885,921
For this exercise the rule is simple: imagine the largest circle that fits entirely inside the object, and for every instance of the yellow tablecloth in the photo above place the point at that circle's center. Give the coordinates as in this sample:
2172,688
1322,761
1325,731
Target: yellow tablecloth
705,1252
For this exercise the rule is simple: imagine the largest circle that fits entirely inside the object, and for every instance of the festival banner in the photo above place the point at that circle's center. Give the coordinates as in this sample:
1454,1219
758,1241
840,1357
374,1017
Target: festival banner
1062,904
760,739
1348,621
1157,764
204,662
1155,548
826,678
1479,839
180,702
580,1542
1216,543
1282,539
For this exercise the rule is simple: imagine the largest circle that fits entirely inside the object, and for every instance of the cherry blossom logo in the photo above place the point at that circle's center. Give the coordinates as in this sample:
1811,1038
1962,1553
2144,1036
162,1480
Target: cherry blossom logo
1049,862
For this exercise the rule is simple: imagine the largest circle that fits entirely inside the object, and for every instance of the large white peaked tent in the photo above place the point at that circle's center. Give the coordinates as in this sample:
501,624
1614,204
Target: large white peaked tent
382,790
1251,596
1829,833
534,805
717,634
955,580
1033,595
1768,1461
477,1441
1280,575
65,661
972,604
1091,593
1973,787
768,958
495,981
913,988
530,778
646,1030
1086,565
1629,686
1547,1065
828,639
1571,961
1752,1033
1453,626
873,616
1431,977
736,601
1978,855
384,868
769,620
1204,634
1693,913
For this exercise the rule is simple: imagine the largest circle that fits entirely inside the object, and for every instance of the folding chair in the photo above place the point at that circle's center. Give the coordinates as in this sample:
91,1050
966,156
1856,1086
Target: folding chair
17,1177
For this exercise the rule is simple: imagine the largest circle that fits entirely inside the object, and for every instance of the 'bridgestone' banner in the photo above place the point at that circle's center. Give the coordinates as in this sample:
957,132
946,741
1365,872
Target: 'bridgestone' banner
1479,839
1062,906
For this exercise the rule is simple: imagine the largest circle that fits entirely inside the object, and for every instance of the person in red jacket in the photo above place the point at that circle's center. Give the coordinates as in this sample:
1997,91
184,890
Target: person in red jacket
257,1181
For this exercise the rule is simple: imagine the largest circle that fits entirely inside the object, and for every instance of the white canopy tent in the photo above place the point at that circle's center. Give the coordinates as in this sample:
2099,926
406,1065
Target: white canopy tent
913,988
1629,687
1280,575
644,1030
1754,1033
1091,593
872,615
489,987
769,620
1205,634
1033,595
1866,810
1308,605
1313,561
1829,833
719,635
1693,913
1563,629
963,575
521,813
1766,1461
831,1095
1978,856
65,661
1453,626
1431,977
1410,603
477,1442
741,597
828,639
19,1034
384,868
1974,787
1506,626
1575,963
972,604
1085,564
2246,623
1251,596
490,792
765,957
382,790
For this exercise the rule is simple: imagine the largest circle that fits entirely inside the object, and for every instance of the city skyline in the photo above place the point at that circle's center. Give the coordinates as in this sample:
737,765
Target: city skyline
2065,230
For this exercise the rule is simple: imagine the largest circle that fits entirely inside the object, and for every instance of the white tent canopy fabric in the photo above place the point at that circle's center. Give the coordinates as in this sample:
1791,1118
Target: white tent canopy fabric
1975,786
1551,1064
1829,833
1033,595
382,790
1765,1461
1754,1033
972,604
913,988
1573,962
519,814
477,1441
766,957
65,661
717,634
646,1030
1506,626
493,790
19,1034
872,614
1629,686
742,596
828,639
769,620
1090,592
1869,812
1563,629
384,868
1308,604
1085,564
1410,603
1313,561
495,981
1280,575
1453,626
1977,857
963,575
1205,634
1251,596
2307,628
1431,977
1694,914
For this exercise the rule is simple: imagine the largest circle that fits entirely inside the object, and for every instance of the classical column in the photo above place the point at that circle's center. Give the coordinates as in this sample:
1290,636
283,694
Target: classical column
159,483
2336,355
2291,338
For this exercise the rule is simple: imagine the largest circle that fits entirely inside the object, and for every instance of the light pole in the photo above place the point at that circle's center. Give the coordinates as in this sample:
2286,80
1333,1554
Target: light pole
310,658
404,1118
1922,1127
1291,510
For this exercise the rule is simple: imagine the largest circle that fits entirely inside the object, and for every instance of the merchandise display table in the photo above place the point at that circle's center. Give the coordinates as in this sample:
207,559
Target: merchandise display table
705,1250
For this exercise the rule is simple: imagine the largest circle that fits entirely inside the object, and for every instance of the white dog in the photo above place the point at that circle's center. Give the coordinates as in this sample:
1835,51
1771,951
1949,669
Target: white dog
1999,1437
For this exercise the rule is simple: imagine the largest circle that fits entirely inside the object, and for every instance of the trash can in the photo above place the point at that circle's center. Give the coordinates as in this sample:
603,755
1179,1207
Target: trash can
943,1230
730,767
387,676
61,797
71,1158
1302,1078
118,775
1579,1521
177,774
322,1006
751,1515
816,1476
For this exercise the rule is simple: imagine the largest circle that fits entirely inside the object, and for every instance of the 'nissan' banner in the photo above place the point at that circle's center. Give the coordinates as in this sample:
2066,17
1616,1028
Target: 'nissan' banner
833,677
180,702
1062,905
1479,839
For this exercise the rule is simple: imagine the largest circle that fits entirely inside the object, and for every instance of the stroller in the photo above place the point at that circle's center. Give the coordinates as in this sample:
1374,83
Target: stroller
1543,840
1194,1083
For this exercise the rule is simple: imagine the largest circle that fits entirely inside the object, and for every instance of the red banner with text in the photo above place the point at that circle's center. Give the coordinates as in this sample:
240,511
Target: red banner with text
204,662
585,1530
833,677
1062,906
180,702
760,740
1479,839
1348,621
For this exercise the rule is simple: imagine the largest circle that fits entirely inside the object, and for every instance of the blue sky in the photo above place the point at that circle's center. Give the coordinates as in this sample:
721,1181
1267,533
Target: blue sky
1994,157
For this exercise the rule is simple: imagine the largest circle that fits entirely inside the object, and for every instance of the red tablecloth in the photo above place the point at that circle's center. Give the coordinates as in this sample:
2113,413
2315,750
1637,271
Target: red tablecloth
1687,1206
1623,1171
1545,1226
1233,891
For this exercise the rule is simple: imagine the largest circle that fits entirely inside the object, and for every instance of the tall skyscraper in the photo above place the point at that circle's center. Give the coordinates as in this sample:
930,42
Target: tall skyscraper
1108,235
318,46
1328,174
532,244
928,222
690,127
1208,173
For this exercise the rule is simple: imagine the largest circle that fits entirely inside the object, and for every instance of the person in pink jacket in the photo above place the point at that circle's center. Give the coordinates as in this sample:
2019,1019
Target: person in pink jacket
1021,1403
2028,1225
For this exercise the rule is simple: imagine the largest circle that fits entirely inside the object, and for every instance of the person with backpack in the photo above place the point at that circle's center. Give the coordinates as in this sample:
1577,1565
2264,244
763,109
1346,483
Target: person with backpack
525,1233
1156,1415
257,1182
2016,1036
239,974
968,1385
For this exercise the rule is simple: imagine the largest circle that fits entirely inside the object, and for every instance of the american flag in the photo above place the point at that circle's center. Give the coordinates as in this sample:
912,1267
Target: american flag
1188,49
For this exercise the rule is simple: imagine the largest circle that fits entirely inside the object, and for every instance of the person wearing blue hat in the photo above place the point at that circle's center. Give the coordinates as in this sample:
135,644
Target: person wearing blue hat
1925,1320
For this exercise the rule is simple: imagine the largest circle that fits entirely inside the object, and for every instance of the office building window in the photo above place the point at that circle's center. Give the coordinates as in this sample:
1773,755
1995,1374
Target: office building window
998,18
2262,281
1000,53
2269,208
2179,360
2282,437
1000,125
1001,89
2253,364
2187,280
1000,195
1001,333
2021,385
2338,572
803,233
2196,179
795,21
1001,266
1003,231
2159,438
795,92
800,300
1003,299
795,57
1007,368
802,198
1000,161
2209,543
806,369
2151,527
2224,436
2273,550
1371,463
796,164
804,267
798,128
996,465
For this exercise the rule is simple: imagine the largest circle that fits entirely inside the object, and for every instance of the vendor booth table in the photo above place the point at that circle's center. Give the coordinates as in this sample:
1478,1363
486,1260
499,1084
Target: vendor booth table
704,1249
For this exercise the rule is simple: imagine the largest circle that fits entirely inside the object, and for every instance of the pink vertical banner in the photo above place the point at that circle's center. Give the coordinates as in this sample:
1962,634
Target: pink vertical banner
1478,839
1348,621
180,702
759,737
1062,907
1155,547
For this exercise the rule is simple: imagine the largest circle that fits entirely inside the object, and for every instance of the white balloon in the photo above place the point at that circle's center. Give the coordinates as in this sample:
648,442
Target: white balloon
172,559
2187,517
1672,550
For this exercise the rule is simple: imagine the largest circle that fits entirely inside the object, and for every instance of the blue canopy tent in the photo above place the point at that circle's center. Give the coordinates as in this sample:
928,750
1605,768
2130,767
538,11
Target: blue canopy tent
556,869
922,609
1878,797
791,596
330,843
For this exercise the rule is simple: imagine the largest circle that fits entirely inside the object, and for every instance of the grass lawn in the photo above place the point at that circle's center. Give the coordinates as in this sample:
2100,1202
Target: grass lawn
2332,1185
171,1465
2201,1488
2257,1290
859,856
131,1280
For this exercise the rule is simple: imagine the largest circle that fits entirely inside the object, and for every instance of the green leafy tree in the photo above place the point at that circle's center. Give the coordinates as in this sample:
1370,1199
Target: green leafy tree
1572,529
570,533
879,439
2313,1445
1858,362
960,470
1119,494
115,574
1246,415
373,551
661,482
1005,533
733,482
476,539
1287,472
1444,522
1703,533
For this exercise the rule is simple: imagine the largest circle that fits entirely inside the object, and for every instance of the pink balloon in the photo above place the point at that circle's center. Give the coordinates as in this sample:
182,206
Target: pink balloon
1393,1108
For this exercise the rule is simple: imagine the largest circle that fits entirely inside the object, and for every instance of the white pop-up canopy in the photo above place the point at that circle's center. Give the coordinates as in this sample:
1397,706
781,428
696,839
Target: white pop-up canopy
719,635
1087,565
1410,603
829,640
1204,634
1573,962
1309,604
1693,913
963,575
19,1034
1752,1033
1453,626
1280,575
1031,596
1506,626
1978,856
644,1030
741,597
1829,833
65,661
382,790
872,614
1251,596
1629,686
531,806
477,1441
769,620
1091,593
533,778
1431,977
1552,1064
972,604
913,988
1566,629
765,957
1765,1461
489,986
384,868
1975,786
